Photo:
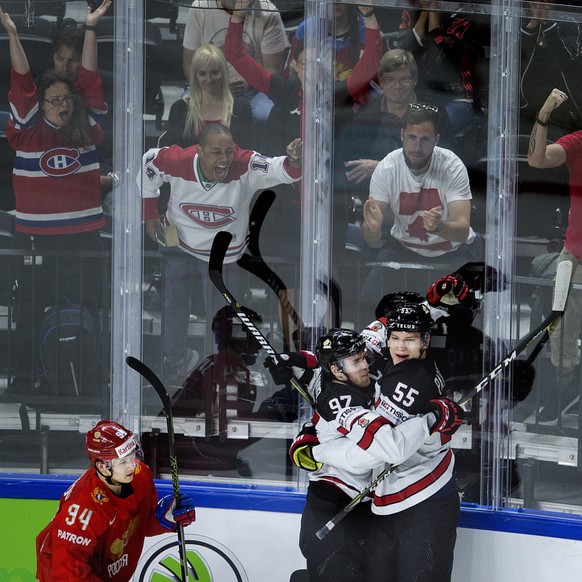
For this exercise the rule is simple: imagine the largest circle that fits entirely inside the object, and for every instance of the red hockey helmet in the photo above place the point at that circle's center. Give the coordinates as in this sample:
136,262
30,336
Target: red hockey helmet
109,440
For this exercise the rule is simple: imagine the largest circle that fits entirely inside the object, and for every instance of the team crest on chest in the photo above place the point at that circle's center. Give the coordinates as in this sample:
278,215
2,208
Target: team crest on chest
59,162
209,216
99,496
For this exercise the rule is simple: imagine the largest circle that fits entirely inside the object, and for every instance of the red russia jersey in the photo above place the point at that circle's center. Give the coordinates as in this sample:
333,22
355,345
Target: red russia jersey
95,535
57,187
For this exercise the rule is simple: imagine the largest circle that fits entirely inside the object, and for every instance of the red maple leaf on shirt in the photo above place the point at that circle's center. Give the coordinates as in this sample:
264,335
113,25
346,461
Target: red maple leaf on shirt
416,229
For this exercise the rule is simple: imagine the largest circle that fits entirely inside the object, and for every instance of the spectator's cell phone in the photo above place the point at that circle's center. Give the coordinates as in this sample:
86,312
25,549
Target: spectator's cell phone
169,238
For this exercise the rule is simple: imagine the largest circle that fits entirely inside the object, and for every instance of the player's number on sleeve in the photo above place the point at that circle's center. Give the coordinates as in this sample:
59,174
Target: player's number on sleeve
404,395
83,518
338,404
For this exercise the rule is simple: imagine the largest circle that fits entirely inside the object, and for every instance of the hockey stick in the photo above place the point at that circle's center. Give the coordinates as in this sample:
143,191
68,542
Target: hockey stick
217,254
151,377
561,288
256,265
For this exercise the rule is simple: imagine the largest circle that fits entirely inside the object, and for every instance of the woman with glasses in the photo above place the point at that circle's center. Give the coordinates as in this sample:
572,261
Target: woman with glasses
56,180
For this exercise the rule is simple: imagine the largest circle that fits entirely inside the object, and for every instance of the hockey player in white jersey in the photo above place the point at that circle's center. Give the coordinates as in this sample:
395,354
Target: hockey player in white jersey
415,509
345,386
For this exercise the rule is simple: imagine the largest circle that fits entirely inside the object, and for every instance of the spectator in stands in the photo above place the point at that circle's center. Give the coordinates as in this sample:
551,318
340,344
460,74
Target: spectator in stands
265,40
67,55
348,42
447,58
212,187
550,57
287,97
287,94
377,125
208,101
426,190
565,353
56,183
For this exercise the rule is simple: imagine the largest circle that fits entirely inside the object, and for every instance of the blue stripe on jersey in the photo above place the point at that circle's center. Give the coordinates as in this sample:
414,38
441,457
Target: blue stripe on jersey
62,222
86,159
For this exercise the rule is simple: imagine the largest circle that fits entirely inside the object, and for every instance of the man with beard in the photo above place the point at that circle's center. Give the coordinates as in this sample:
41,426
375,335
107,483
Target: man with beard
426,190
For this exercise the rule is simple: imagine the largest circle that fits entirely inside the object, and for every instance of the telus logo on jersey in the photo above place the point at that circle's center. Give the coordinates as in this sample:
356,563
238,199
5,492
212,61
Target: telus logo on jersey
207,561
60,162
209,216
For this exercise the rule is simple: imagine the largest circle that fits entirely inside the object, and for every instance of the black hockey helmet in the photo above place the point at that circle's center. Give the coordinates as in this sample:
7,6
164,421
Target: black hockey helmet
338,344
391,300
411,317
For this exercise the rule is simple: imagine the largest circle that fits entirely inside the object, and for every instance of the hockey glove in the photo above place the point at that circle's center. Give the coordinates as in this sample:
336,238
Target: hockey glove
280,369
300,450
376,336
448,291
168,514
449,416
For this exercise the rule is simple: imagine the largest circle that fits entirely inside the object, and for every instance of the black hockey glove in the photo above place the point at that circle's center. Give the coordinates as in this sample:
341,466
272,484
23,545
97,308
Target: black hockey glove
449,416
280,370
300,450
448,291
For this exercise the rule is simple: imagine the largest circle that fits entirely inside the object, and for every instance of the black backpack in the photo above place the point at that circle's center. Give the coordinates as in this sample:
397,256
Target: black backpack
68,352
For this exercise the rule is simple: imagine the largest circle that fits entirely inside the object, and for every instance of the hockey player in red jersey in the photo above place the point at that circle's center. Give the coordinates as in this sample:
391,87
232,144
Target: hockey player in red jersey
98,532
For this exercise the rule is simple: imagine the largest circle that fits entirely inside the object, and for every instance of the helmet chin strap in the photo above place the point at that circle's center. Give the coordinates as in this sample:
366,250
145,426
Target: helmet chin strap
108,479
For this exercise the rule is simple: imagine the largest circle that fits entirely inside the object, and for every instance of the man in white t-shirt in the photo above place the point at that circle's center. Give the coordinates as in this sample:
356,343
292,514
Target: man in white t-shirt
426,190
264,37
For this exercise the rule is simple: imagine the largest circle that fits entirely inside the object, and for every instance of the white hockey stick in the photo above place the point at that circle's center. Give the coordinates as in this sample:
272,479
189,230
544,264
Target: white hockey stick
561,288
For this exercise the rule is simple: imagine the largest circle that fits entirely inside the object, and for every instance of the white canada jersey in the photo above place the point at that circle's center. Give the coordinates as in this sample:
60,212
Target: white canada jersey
396,432
332,397
200,209
408,196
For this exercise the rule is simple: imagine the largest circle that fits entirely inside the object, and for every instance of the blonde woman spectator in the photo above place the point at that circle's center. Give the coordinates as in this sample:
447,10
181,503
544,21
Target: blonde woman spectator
209,100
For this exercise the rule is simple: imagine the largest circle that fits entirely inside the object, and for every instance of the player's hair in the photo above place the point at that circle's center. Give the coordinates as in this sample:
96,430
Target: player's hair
211,55
77,133
397,59
418,113
212,129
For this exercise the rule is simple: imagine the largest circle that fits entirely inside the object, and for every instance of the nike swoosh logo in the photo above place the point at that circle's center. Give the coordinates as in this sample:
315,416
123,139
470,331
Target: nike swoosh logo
112,520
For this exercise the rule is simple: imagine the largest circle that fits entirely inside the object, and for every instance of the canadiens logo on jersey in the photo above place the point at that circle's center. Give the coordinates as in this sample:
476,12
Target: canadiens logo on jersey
209,216
59,162
99,496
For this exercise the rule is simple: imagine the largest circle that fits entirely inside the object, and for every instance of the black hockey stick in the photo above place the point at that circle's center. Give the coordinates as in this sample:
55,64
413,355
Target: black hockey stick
152,378
217,254
561,288
254,263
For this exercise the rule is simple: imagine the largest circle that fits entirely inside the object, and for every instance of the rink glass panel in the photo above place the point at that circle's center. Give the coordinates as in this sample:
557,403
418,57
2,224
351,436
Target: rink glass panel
507,456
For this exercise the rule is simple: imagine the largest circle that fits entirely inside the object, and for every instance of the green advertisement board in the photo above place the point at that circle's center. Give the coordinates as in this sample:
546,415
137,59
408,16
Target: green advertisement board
21,521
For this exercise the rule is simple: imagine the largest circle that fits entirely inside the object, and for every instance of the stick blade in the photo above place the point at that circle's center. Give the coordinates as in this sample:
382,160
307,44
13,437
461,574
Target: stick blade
562,286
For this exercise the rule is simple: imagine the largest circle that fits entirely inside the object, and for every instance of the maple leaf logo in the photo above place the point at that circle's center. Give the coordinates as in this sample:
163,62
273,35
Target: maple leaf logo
416,229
